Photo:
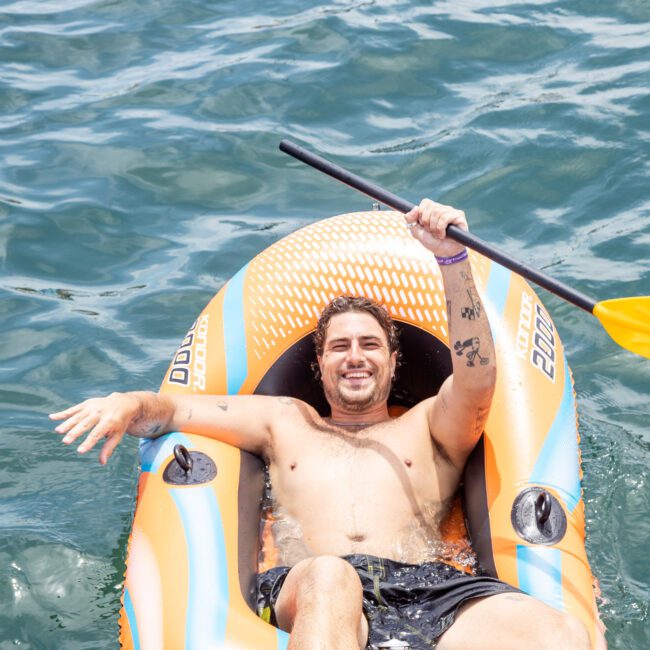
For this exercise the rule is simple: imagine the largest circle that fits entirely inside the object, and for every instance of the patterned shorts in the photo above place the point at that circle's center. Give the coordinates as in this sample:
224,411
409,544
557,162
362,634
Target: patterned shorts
415,603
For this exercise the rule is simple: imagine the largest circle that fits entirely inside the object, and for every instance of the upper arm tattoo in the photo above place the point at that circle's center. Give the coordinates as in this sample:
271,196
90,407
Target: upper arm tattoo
481,416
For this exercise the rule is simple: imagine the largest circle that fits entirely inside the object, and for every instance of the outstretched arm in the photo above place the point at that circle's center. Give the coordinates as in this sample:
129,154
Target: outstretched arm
244,421
458,413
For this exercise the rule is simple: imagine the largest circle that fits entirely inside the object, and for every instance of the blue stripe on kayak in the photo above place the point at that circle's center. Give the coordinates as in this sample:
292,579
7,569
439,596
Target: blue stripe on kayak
283,639
539,570
153,451
558,464
207,609
234,333
496,291
130,616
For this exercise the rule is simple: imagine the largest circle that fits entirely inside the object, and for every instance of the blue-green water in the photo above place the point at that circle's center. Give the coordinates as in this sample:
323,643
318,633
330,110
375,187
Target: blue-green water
139,170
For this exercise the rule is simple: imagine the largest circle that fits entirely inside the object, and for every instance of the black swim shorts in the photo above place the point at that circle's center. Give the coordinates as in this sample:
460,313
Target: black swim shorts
408,602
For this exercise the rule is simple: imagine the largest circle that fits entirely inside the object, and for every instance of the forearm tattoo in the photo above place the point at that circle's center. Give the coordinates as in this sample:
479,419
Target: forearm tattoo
472,310
471,348
142,428
153,430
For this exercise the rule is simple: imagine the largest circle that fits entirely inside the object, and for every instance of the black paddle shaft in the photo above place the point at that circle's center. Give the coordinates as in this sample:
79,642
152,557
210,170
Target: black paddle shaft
472,241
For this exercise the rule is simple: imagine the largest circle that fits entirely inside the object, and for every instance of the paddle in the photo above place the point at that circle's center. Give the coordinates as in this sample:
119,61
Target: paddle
626,320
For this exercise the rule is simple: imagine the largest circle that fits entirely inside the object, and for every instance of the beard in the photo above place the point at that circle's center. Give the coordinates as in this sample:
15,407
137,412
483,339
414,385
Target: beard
357,400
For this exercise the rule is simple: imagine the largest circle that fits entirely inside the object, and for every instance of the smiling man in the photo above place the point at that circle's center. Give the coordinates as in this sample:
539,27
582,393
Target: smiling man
363,493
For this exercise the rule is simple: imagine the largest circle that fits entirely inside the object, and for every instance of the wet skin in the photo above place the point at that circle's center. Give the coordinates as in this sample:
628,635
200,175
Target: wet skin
379,487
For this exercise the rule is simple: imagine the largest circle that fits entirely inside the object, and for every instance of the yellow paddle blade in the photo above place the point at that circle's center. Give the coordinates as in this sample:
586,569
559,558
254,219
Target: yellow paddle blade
627,321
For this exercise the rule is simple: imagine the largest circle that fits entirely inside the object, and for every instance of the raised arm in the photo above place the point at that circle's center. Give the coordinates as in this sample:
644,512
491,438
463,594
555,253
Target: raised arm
244,421
458,413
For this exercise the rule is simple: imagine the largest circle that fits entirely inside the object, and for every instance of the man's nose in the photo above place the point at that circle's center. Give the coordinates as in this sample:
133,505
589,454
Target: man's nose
355,353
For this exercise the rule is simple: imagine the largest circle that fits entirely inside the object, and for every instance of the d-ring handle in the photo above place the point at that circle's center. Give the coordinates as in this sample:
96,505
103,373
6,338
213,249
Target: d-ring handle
183,458
542,508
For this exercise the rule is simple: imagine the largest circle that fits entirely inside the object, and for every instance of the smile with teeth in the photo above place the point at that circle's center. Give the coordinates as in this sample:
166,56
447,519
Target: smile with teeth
357,374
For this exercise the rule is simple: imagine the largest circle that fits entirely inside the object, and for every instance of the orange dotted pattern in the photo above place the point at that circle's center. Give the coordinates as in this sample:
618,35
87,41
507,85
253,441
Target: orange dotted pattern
363,254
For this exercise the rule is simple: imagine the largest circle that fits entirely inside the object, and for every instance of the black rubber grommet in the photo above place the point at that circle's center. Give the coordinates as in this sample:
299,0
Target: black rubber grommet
183,458
538,517
189,468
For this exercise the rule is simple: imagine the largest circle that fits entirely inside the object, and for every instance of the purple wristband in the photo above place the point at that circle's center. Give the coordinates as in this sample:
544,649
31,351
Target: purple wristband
459,257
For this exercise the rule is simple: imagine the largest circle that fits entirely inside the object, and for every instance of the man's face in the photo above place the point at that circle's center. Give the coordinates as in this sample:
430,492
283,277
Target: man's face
356,365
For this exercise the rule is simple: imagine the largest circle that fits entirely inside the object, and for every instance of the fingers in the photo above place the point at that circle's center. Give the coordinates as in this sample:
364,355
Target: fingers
102,429
411,217
435,217
96,418
81,426
62,415
109,447
71,422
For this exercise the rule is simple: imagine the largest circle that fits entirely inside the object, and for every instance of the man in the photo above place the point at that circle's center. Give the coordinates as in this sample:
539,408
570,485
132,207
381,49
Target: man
364,493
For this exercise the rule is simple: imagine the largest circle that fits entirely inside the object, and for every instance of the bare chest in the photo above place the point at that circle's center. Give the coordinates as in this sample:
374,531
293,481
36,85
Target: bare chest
322,469
381,493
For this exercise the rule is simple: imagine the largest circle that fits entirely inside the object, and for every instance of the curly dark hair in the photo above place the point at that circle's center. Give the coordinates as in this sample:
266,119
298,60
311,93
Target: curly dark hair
344,304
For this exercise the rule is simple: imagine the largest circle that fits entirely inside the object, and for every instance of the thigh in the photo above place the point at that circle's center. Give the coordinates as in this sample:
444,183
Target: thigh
287,600
320,587
505,621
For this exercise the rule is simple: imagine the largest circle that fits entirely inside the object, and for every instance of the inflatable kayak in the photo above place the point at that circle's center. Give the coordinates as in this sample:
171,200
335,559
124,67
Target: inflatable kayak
194,549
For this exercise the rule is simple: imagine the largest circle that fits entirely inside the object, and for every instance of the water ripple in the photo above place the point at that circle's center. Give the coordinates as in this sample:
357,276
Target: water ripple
139,170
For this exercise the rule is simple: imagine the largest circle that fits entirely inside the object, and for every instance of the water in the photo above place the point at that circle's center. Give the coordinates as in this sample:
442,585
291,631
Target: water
139,170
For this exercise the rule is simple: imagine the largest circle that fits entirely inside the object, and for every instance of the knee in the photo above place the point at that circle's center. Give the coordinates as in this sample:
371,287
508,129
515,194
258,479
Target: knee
327,574
572,633
545,628
564,631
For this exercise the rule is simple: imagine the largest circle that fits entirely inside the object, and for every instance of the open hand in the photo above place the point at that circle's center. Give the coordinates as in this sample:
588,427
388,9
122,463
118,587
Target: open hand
428,224
101,417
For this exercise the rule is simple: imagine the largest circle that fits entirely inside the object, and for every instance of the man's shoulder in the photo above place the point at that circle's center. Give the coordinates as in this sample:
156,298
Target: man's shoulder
288,403
292,410
292,422
422,408
415,419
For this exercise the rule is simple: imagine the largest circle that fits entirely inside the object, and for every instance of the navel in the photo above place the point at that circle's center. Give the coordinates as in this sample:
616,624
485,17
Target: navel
360,537
408,462
293,465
